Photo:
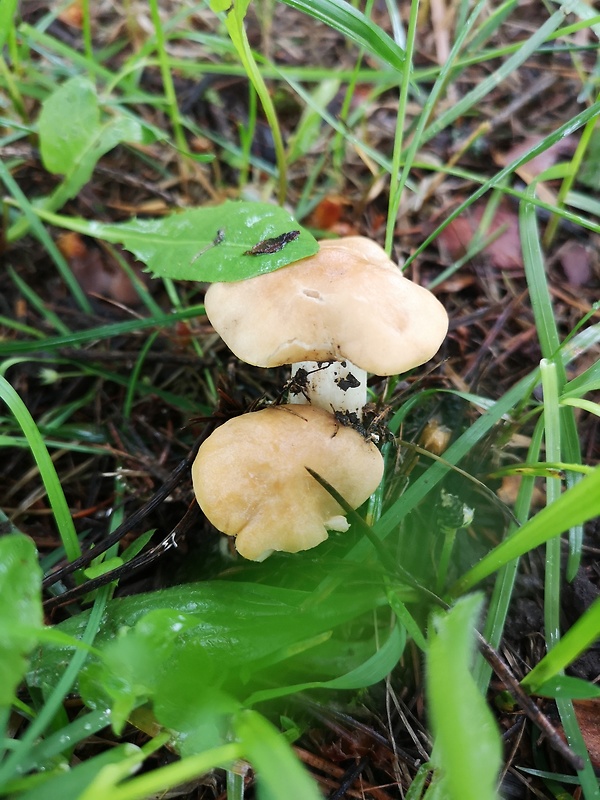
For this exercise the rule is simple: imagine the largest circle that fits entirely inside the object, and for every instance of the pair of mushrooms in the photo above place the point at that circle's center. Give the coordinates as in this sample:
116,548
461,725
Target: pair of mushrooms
334,316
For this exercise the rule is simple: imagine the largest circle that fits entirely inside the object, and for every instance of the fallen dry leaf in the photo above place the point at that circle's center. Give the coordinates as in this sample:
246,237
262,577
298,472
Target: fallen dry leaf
588,717
96,273
531,169
72,15
327,216
509,490
503,253
577,262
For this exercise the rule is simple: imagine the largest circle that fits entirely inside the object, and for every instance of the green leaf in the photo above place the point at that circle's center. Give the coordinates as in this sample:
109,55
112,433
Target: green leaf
73,137
117,785
407,620
234,22
132,663
69,117
20,607
587,381
189,650
204,244
467,746
195,709
576,640
373,670
585,405
417,787
569,687
8,9
218,630
354,25
590,170
70,785
279,772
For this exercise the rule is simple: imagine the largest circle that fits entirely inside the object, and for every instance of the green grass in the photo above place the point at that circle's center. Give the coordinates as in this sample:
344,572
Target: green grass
212,667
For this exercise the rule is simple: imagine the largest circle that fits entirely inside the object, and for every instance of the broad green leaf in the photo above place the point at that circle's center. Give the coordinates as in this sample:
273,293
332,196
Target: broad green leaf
192,651
70,785
576,505
354,25
20,605
279,773
467,746
132,663
375,669
197,711
70,116
219,630
204,244
73,137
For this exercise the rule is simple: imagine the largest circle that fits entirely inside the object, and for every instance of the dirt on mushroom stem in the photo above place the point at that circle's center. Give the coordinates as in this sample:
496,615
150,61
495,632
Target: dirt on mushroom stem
335,386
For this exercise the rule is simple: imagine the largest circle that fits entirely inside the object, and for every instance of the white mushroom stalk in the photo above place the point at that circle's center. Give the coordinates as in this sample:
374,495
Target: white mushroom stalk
331,385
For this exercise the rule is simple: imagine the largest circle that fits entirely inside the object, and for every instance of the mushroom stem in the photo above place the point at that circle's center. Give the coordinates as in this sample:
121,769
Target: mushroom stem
330,385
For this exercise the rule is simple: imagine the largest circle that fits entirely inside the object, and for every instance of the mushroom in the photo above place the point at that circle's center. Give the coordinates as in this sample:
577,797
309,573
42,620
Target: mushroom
251,481
334,316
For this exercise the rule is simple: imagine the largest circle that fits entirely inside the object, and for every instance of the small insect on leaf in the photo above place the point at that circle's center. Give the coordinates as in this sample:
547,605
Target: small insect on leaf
220,236
273,245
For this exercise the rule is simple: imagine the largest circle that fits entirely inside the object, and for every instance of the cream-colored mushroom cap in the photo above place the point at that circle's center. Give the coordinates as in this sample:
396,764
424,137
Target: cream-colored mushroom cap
250,478
349,301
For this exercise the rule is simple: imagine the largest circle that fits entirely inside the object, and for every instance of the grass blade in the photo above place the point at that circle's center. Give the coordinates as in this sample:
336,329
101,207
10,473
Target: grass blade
577,505
355,26
39,451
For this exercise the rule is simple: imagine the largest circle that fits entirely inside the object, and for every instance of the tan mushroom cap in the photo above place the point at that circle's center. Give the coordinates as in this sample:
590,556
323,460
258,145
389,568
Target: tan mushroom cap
250,479
349,301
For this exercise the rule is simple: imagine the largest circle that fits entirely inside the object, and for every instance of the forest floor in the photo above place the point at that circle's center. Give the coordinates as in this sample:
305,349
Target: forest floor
120,410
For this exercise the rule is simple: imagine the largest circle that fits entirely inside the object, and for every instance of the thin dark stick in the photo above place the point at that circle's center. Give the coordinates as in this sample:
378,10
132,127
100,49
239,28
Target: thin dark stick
348,779
503,671
141,560
136,518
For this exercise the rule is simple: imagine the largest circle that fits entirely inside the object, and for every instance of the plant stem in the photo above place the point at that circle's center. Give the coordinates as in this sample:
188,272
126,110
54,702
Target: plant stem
553,490
235,785
167,78
448,544
234,22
